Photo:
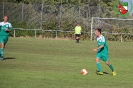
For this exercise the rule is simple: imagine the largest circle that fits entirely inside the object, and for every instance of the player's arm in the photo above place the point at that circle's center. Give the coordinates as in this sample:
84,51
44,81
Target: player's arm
0,26
9,28
98,49
101,46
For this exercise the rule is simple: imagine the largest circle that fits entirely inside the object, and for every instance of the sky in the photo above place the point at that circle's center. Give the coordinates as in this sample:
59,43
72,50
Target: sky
129,5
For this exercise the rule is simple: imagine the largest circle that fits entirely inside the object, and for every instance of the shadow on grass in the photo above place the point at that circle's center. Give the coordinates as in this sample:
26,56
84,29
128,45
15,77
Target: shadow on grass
103,72
9,58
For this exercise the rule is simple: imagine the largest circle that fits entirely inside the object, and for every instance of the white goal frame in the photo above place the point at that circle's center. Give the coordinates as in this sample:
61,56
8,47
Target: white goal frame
98,18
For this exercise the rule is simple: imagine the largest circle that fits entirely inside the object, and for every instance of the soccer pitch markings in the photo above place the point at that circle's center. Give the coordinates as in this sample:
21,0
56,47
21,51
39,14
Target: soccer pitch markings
46,63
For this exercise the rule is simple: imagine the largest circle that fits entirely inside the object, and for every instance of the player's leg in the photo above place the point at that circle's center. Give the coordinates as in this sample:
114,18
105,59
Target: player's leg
98,57
99,72
76,37
111,67
105,58
2,50
3,43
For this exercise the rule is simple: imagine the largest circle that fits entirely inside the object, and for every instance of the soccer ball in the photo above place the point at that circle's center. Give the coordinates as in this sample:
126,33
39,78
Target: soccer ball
84,71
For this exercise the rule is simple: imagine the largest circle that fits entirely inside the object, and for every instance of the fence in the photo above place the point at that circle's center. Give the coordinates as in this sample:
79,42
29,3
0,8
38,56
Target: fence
60,34
45,33
16,34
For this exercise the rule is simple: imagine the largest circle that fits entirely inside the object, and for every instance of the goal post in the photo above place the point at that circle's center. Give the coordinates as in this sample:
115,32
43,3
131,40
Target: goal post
112,26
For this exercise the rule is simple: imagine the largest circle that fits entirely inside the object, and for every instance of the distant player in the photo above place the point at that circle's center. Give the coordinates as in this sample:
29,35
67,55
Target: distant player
102,52
5,28
77,32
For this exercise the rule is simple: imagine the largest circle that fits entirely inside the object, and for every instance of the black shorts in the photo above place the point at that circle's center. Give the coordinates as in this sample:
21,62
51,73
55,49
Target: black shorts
77,35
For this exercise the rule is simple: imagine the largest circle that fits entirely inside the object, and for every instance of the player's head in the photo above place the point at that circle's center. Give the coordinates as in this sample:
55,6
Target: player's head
5,18
98,31
78,24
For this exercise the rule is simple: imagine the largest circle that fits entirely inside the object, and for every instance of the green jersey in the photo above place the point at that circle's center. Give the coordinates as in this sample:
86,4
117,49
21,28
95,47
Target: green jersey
102,41
78,30
3,27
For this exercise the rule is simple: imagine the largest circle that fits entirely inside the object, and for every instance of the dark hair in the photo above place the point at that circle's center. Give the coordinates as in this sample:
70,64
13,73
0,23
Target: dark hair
5,16
99,30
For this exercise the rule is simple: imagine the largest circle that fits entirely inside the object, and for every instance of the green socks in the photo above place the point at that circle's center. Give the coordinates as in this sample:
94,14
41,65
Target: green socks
111,67
2,52
99,67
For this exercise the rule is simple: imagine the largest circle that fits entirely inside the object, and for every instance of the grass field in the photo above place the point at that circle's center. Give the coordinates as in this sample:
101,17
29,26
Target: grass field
43,63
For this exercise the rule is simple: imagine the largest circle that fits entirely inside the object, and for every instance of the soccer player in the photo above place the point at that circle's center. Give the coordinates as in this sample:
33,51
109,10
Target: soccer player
5,28
77,32
102,52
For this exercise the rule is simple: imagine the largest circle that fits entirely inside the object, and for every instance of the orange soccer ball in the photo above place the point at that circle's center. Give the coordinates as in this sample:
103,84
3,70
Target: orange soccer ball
84,72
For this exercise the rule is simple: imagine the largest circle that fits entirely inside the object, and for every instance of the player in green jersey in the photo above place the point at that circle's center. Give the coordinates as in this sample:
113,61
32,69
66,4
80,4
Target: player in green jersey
102,52
5,28
77,32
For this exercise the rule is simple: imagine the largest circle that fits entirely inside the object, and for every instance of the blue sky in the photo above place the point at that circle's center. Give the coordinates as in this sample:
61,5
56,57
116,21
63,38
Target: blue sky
129,5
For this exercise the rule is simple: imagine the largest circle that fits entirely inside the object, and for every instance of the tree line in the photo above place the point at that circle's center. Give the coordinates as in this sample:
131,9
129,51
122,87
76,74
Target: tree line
56,2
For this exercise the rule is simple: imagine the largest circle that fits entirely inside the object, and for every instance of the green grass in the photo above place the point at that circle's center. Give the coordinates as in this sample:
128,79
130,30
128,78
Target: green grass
42,63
